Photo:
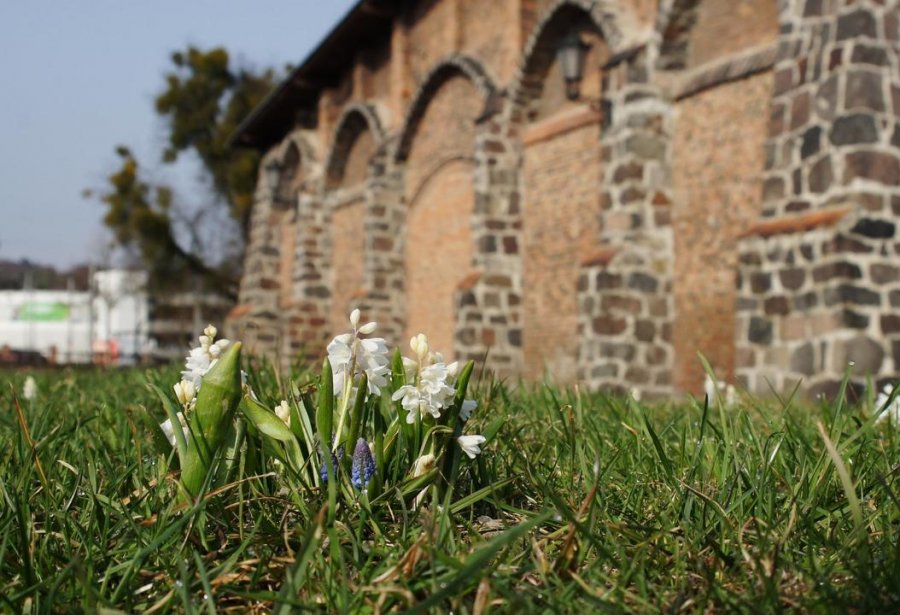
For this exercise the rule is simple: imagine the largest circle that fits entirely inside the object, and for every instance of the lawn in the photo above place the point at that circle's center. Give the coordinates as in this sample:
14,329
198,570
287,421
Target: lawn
578,502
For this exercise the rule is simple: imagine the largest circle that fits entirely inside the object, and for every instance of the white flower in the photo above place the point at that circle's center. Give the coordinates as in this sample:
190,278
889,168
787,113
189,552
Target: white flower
891,412
423,465
430,395
419,345
709,387
203,357
432,389
185,392
468,406
730,396
29,389
283,411
349,355
471,445
635,394
166,426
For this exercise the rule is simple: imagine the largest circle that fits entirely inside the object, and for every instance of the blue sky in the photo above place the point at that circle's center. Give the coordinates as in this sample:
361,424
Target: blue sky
80,77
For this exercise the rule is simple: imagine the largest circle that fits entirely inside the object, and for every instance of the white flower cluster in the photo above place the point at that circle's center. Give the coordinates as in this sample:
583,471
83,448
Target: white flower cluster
430,387
198,362
29,389
715,389
433,381
891,412
204,356
350,354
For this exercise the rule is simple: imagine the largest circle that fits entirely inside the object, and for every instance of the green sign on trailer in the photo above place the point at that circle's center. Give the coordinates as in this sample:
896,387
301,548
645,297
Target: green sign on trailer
43,312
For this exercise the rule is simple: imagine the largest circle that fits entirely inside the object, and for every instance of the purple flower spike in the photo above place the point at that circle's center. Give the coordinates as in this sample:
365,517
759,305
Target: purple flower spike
363,467
335,460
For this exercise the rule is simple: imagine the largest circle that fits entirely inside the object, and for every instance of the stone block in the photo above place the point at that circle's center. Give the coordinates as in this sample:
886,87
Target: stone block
890,324
884,274
643,282
811,142
866,354
855,24
803,359
854,320
830,271
760,331
850,294
645,330
854,129
821,175
874,228
864,91
776,306
609,325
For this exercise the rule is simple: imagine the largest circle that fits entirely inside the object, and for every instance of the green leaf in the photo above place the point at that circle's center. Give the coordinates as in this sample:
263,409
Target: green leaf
356,417
265,420
217,401
325,405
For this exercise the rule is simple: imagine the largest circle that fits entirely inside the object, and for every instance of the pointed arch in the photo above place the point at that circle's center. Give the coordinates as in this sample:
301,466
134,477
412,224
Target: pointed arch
692,33
355,121
615,24
451,66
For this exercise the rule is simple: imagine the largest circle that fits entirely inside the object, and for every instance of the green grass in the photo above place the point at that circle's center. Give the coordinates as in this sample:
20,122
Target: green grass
589,503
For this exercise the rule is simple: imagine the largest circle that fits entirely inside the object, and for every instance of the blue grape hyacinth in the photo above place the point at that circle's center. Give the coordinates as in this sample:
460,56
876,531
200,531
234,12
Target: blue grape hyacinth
363,467
335,460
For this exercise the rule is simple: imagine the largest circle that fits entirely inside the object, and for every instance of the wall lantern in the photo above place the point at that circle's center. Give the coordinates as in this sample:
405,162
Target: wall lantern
570,54
273,174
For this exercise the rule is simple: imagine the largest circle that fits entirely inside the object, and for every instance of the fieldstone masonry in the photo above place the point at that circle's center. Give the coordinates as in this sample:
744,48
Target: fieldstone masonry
818,276
818,280
625,288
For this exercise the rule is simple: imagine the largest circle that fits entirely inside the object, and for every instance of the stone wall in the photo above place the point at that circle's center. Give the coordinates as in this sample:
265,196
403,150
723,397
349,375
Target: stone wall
724,182
818,281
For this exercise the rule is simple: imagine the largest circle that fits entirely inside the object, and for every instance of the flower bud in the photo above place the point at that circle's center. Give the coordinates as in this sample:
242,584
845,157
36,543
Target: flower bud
423,464
210,331
354,318
283,411
368,328
185,392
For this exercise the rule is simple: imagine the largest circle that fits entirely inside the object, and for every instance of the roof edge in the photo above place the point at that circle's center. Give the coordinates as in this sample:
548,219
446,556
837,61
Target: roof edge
267,123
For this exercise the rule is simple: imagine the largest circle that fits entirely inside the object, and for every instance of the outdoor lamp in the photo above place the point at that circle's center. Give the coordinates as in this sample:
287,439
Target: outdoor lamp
273,174
570,54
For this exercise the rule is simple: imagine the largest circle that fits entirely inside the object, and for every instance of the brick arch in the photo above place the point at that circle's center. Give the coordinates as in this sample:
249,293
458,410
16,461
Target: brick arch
413,198
354,120
291,175
560,174
436,165
615,23
267,285
346,200
680,22
305,149
451,66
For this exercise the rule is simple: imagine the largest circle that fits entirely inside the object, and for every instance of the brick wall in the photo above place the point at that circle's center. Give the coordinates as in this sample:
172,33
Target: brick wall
561,173
440,197
438,252
347,241
725,27
736,167
717,168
